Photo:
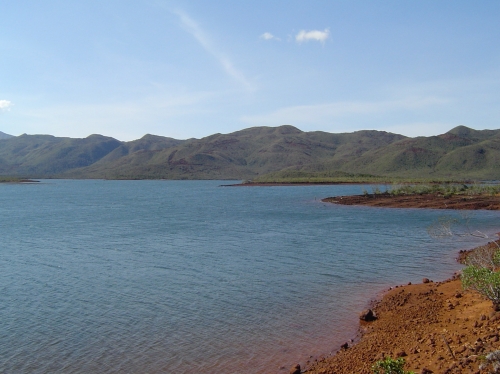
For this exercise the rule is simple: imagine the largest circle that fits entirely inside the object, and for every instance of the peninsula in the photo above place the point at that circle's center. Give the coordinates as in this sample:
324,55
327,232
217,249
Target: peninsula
429,201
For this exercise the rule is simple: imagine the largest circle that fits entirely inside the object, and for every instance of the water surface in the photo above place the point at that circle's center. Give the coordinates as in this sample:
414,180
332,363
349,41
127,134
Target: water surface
186,276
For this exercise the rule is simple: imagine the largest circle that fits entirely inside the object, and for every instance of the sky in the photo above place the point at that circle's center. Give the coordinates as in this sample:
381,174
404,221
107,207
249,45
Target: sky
189,69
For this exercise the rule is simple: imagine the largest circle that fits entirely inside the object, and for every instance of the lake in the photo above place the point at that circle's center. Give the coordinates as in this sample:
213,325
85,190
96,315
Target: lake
186,276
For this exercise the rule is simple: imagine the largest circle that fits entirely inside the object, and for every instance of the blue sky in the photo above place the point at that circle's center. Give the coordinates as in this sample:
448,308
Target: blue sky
186,69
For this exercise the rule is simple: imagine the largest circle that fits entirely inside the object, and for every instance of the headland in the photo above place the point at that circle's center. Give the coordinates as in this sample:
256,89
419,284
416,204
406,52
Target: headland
429,201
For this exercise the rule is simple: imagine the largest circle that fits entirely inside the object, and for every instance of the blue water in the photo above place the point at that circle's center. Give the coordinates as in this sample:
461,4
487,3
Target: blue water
187,276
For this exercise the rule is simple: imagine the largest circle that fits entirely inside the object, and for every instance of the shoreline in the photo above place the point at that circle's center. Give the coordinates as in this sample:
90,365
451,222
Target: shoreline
343,182
427,201
16,181
287,184
422,323
437,327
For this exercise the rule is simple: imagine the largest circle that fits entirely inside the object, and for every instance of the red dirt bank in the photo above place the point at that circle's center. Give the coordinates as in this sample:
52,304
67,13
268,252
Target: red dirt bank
432,201
436,327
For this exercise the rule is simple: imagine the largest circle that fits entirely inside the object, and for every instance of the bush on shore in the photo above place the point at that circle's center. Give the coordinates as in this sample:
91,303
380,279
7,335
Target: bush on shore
482,272
483,280
446,190
390,366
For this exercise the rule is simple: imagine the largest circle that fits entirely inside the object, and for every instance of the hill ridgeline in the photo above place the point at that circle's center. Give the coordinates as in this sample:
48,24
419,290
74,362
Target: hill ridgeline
269,153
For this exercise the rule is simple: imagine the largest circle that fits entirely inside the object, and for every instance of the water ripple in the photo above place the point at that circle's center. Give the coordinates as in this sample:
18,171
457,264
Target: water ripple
184,276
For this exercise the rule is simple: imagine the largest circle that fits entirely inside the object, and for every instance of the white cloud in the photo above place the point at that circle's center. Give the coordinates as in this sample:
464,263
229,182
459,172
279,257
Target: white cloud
199,34
269,36
317,35
5,104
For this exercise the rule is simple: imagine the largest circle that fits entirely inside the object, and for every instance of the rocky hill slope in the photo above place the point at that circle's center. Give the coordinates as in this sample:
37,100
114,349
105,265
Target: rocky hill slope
254,152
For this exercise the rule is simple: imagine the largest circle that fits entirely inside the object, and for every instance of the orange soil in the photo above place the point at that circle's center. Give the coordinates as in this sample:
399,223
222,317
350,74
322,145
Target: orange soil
433,201
434,326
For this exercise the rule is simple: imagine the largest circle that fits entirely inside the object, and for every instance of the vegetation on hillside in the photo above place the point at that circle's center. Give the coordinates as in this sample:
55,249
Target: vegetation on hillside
37,156
264,154
297,176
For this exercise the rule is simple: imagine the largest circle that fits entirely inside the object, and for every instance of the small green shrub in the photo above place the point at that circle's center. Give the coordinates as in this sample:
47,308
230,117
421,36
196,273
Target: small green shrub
390,366
483,280
485,256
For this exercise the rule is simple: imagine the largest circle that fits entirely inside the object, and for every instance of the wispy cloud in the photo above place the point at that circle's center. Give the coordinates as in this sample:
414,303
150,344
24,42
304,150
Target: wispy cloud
326,113
5,105
315,35
203,39
269,36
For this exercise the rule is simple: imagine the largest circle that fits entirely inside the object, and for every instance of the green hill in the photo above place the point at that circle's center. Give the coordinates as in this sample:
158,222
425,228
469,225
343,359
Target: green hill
459,153
240,155
45,155
264,153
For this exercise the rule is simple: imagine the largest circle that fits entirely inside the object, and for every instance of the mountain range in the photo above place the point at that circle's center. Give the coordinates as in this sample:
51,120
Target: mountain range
275,152
4,135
